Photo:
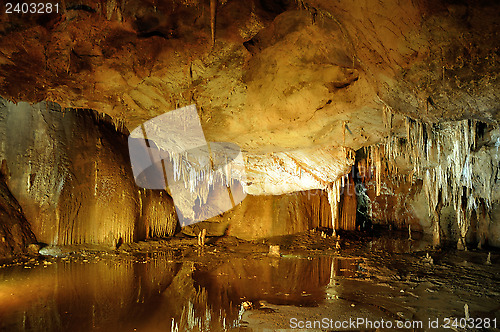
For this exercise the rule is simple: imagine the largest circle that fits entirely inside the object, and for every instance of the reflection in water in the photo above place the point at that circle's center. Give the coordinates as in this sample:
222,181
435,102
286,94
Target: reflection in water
277,281
400,243
156,293
344,267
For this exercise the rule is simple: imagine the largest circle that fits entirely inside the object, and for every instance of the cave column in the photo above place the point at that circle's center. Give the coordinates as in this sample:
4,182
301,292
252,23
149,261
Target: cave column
333,191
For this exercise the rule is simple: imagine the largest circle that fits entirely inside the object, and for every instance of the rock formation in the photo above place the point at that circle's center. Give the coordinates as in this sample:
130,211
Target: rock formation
15,232
70,172
404,91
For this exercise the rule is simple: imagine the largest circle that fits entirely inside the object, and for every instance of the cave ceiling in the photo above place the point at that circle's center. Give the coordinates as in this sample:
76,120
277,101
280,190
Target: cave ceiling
280,76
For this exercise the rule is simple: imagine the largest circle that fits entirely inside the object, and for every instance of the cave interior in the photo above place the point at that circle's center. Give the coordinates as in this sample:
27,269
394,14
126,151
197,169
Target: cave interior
196,165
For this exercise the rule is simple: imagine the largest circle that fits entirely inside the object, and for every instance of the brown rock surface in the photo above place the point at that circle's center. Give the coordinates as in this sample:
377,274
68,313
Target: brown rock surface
15,232
69,170
282,79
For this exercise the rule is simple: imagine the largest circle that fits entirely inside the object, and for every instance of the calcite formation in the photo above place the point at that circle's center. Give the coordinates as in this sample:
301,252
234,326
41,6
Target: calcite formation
70,172
388,107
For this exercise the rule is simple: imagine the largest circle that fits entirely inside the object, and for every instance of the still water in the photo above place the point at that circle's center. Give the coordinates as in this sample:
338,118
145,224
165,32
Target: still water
156,292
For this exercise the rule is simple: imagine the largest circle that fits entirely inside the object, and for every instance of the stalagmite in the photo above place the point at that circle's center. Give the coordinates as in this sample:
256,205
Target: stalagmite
428,259
201,237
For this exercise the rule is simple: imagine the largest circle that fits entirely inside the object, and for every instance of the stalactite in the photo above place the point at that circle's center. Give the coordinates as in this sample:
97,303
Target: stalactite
343,132
483,219
387,117
443,156
375,160
333,191
213,17
199,174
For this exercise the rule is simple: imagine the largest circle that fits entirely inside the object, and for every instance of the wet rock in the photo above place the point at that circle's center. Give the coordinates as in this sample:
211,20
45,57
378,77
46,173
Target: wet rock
15,231
271,215
274,251
74,183
53,251
247,305
461,245
428,259
34,248
158,218
218,227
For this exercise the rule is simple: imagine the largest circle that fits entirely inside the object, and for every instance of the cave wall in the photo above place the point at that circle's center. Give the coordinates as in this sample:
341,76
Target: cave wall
273,80
265,216
439,178
281,79
15,231
270,215
70,172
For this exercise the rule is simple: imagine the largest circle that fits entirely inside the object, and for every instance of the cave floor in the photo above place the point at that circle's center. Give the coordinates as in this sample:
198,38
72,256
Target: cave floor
229,284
